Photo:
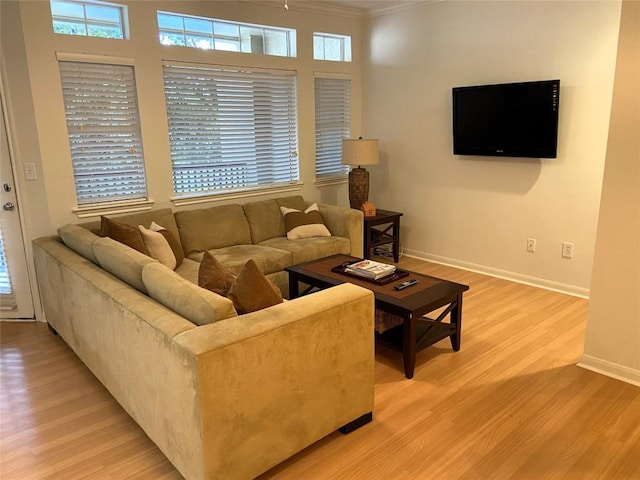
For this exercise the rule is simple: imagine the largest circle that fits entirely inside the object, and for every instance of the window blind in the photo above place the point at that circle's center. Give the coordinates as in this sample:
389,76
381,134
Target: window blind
7,295
230,129
103,124
333,123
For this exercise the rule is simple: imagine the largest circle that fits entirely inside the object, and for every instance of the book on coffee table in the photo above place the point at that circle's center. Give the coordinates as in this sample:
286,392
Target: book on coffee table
370,269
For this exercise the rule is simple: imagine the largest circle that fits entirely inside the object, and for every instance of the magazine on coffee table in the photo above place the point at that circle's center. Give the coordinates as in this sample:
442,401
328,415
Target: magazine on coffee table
370,269
395,275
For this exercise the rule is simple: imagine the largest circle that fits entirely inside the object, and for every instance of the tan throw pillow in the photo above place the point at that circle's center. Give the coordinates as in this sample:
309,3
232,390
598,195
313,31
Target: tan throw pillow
158,247
123,233
214,276
304,224
252,291
176,248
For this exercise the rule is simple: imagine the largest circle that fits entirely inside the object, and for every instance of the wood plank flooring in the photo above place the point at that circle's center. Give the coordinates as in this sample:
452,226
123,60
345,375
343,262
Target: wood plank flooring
511,404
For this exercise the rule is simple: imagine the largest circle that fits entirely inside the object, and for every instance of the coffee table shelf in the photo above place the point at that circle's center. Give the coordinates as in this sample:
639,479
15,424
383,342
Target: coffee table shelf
428,332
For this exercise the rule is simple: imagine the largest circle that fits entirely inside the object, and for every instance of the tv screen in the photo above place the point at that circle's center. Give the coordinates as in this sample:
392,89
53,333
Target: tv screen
507,120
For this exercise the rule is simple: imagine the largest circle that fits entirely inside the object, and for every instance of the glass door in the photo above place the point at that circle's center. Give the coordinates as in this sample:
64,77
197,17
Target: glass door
15,291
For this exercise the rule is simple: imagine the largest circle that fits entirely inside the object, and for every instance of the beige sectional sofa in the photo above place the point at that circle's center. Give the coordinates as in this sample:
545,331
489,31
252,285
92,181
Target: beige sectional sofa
223,396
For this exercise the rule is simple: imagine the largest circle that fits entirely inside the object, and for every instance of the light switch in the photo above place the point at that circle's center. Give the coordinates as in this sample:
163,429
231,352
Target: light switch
30,171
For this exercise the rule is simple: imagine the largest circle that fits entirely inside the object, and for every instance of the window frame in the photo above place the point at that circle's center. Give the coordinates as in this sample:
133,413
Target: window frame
135,201
123,15
290,33
346,55
235,116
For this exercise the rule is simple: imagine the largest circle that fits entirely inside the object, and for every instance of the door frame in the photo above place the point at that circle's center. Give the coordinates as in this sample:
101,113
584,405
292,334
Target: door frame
18,180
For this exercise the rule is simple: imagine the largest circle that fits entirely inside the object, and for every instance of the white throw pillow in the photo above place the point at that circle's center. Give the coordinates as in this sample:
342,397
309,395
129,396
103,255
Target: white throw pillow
158,247
304,224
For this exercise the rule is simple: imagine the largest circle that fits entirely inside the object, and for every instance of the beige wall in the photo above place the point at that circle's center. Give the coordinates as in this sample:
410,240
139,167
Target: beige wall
21,121
473,212
612,342
29,49
477,212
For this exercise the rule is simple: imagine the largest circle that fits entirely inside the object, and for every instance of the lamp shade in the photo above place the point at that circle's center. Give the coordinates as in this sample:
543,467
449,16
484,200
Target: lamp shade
359,151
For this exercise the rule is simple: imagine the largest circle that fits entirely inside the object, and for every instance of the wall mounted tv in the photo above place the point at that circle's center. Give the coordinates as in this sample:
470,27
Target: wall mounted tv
507,120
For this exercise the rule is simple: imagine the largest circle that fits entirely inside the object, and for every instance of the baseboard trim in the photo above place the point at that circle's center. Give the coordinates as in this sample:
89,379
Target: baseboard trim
610,369
503,274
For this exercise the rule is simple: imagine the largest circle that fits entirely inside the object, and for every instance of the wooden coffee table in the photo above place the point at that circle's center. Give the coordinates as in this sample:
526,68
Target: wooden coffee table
411,304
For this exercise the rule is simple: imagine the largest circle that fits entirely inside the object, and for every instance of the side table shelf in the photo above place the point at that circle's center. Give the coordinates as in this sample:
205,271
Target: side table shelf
382,229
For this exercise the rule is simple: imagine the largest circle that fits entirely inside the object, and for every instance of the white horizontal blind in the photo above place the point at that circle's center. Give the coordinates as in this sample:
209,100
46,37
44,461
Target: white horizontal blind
7,298
103,124
333,123
230,129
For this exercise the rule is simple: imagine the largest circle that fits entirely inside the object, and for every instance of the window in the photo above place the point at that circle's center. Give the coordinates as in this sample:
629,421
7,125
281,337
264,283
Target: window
333,123
89,18
5,278
208,33
101,109
327,46
230,129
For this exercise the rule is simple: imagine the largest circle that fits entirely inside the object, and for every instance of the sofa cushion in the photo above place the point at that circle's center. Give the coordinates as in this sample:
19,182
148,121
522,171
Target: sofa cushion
172,240
123,233
158,247
294,201
251,291
307,249
268,259
188,270
265,219
80,240
215,227
196,304
122,261
305,224
162,216
214,276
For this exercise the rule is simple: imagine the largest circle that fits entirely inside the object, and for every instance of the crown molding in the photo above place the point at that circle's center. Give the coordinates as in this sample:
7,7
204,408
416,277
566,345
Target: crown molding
325,8
311,6
402,7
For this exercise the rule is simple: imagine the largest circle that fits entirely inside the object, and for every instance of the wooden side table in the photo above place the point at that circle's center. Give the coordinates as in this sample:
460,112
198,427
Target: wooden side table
382,229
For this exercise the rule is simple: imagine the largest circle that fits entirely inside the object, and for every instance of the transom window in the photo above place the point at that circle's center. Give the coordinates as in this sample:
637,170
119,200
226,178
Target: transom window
327,46
209,33
89,18
101,109
230,129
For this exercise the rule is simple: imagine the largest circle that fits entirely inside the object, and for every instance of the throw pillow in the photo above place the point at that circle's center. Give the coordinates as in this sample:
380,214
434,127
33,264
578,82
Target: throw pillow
304,224
174,243
123,233
214,276
158,247
252,291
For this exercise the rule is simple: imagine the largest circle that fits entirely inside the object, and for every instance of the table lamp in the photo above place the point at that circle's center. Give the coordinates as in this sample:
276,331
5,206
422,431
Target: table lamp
357,153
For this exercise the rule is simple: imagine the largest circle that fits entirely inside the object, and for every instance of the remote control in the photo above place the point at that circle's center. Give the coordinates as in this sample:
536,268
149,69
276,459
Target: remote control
403,285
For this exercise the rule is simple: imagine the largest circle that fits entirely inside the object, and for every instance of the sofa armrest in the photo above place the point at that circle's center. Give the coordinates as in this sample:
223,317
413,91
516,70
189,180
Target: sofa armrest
345,222
284,376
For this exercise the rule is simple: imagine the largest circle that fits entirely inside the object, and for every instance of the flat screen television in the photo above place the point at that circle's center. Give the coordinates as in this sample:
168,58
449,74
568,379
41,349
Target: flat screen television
507,120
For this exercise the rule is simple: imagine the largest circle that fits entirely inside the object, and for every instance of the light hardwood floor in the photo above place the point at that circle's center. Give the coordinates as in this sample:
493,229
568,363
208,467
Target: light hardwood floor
511,404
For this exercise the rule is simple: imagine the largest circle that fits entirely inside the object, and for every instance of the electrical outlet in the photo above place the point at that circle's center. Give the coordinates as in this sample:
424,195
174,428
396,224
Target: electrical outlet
531,245
567,250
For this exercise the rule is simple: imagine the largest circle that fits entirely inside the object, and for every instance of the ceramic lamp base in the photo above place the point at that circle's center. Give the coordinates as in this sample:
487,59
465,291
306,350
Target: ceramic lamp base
358,187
